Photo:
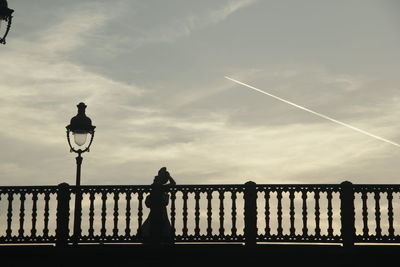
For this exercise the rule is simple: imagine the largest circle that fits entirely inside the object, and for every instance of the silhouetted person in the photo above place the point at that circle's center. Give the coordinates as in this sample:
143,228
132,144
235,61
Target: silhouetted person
157,228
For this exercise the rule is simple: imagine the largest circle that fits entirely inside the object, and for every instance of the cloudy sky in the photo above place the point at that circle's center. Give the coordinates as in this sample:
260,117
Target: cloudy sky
152,75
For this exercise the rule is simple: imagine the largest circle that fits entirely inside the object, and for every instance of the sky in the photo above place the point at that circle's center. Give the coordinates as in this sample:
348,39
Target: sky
152,76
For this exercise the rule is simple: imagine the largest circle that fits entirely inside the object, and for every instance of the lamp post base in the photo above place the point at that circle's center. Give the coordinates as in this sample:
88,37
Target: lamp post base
78,201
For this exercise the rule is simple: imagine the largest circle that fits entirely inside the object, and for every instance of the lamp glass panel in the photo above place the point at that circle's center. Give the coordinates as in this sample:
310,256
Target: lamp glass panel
80,138
2,27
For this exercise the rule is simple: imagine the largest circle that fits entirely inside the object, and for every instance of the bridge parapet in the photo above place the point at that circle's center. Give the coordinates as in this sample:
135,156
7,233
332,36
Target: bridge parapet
233,213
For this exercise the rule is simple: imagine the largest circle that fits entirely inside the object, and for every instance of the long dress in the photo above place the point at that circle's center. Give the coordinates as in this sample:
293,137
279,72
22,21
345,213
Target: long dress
166,230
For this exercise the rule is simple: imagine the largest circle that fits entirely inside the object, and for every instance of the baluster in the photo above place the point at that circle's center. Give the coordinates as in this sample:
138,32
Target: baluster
173,213
103,229
233,213
34,213
185,213
116,198
22,215
279,212
197,214
46,214
221,213
209,213
378,229
250,214
140,212
390,213
128,214
329,213
62,215
317,214
92,197
267,213
364,197
347,215
304,213
292,213
9,214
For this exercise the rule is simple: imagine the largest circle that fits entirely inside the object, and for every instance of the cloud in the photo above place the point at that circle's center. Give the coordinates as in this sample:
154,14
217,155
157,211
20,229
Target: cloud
70,33
133,140
209,132
185,26
39,91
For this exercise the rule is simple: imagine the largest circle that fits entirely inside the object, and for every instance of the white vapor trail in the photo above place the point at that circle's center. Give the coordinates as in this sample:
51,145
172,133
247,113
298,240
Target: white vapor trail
315,113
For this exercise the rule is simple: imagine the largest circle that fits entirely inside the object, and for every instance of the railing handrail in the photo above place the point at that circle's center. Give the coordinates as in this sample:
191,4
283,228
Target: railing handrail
204,185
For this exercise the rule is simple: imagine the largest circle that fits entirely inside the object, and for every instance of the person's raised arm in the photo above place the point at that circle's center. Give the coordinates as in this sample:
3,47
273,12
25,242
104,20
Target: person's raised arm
171,181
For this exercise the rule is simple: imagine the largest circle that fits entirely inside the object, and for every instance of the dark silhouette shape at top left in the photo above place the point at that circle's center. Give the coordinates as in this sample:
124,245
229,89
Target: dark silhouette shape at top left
6,16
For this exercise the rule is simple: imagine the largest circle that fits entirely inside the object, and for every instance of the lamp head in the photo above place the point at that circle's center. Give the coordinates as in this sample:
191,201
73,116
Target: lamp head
6,16
81,123
80,126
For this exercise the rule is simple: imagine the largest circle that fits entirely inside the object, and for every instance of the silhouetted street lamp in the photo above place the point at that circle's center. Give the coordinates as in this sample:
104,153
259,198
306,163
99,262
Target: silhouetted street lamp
80,127
6,16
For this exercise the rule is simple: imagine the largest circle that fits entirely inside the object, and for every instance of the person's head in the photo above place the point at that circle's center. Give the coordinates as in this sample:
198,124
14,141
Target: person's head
163,176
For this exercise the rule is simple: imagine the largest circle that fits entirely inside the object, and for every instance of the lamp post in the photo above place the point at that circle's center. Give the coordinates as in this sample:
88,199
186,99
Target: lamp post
80,126
6,16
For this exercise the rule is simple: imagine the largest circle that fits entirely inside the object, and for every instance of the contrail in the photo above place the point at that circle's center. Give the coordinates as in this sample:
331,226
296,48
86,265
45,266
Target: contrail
315,113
